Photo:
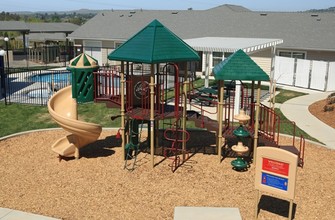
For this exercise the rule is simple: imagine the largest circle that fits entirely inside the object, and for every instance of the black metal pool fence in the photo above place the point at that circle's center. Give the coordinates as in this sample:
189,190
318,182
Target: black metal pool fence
32,86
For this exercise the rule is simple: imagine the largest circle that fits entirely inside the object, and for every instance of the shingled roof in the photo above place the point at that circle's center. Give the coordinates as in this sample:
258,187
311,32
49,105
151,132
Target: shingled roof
37,27
239,66
154,44
299,30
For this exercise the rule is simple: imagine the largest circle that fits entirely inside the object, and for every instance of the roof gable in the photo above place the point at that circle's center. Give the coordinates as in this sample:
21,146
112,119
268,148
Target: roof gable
239,66
154,44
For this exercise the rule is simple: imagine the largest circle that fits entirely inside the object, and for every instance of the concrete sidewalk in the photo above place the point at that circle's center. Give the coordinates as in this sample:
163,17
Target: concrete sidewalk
296,110
10,214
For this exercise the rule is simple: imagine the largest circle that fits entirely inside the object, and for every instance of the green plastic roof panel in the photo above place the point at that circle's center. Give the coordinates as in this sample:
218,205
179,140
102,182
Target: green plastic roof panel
154,44
239,66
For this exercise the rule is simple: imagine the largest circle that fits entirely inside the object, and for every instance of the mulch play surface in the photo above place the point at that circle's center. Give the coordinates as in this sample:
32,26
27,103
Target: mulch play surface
98,187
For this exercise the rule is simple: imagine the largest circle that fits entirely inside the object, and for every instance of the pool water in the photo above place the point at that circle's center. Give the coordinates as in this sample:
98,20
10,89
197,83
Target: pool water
39,93
52,77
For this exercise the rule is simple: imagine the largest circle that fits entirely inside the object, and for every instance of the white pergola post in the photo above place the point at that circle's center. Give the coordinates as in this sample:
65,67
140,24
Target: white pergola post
237,97
207,68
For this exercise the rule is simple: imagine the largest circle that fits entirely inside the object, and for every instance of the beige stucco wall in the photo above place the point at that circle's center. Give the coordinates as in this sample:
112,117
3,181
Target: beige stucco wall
313,54
320,55
107,48
263,59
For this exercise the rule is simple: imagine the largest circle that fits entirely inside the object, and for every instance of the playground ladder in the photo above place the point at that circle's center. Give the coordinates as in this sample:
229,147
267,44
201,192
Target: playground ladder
175,149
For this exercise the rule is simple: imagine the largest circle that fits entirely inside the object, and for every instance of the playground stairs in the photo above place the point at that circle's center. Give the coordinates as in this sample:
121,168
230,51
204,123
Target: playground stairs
268,133
202,121
269,130
114,102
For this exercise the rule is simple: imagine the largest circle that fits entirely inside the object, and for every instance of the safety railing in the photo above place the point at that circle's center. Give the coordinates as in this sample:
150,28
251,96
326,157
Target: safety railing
269,122
107,85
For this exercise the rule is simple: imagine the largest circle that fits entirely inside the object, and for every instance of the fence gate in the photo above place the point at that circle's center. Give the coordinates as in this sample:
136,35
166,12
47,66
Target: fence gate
310,74
302,73
284,70
331,77
318,75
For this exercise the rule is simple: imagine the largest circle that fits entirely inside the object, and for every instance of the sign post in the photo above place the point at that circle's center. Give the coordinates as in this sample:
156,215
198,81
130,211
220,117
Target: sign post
276,171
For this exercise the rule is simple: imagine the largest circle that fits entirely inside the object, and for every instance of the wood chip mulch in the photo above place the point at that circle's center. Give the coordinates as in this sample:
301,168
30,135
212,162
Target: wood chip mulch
98,187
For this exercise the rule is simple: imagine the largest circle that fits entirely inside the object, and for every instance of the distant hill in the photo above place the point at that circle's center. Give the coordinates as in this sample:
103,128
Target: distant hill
80,11
94,12
331,9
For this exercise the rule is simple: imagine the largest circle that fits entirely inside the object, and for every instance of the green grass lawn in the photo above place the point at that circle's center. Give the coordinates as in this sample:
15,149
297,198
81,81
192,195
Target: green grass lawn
286,127
16,118
285,95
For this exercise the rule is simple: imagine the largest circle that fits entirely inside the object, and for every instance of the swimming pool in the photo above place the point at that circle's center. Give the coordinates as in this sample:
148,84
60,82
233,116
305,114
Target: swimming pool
52,77
39,93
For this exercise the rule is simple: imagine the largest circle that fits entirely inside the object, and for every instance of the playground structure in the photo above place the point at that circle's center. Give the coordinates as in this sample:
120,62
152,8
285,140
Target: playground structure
154,84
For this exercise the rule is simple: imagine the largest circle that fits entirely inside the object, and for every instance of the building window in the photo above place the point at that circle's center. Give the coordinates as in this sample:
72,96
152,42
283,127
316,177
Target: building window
299,55
293,54
227,54
217,58
118,45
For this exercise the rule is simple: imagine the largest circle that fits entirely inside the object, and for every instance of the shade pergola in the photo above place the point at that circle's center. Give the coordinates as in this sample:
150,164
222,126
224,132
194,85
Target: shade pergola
229,44
38,28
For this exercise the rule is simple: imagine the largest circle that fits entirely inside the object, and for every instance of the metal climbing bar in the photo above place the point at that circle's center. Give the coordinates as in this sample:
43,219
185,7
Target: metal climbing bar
175,150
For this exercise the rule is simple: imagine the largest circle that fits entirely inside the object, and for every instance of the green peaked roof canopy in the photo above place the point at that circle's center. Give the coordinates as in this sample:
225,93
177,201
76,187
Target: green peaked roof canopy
154,44
83,61
239,66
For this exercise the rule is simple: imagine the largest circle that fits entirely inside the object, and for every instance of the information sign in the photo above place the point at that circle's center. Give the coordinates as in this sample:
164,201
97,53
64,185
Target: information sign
275,166
276,171
274,181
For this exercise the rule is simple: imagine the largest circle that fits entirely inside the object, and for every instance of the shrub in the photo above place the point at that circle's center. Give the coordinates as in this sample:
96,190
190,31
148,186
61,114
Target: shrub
331,95
331,100
328,108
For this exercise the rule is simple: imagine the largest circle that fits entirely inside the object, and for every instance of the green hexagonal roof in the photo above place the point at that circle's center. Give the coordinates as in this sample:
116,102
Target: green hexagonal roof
154,44
239,66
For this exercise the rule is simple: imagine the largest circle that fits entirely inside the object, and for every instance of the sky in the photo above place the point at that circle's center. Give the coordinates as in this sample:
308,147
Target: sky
69,5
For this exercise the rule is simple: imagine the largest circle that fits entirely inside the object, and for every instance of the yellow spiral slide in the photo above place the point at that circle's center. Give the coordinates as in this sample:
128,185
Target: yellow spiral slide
63,109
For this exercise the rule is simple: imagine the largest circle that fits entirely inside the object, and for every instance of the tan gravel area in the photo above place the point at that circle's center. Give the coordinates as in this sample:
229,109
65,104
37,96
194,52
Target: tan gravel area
327,117
98,187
